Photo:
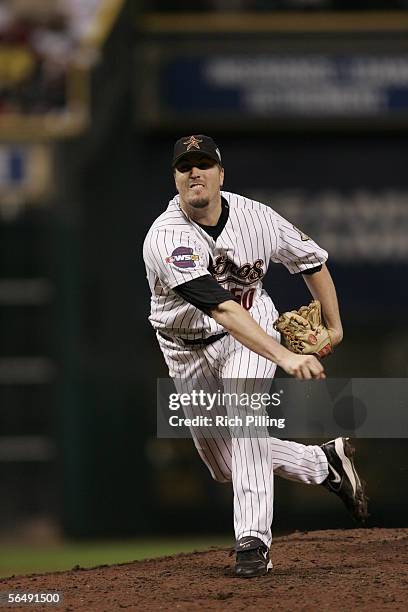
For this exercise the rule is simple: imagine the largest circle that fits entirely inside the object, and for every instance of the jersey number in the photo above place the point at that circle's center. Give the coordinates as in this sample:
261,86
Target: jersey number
246,297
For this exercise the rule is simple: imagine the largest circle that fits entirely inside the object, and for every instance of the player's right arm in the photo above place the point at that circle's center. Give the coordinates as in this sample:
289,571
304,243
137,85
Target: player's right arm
239,323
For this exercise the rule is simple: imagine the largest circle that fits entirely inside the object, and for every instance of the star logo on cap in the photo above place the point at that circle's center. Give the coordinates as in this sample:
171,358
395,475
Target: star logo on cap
192,143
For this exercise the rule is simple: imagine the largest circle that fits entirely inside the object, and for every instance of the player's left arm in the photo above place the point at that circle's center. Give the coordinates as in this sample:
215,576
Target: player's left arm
321,286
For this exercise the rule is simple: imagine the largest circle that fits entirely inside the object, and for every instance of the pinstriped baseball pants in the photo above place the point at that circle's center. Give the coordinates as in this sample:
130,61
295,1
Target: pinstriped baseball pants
249,462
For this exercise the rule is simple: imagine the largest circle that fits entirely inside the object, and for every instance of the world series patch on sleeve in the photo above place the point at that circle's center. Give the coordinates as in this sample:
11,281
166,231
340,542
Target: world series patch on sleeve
304,332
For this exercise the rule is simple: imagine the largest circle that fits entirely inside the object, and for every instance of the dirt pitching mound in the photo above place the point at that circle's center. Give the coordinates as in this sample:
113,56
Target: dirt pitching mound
361,569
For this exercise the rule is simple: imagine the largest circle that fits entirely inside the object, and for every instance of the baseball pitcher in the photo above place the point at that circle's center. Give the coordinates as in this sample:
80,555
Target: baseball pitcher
206,256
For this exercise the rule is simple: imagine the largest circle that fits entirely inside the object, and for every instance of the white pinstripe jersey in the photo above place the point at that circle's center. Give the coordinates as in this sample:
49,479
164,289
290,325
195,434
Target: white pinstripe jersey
177,249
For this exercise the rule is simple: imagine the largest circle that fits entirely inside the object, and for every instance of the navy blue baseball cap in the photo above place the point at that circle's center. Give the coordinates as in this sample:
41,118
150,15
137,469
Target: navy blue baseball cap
198,143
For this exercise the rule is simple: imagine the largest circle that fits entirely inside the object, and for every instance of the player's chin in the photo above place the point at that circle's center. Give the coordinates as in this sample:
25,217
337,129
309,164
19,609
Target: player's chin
199,202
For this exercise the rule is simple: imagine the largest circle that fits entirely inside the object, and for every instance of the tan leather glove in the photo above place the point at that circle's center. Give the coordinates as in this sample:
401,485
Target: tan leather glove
304,332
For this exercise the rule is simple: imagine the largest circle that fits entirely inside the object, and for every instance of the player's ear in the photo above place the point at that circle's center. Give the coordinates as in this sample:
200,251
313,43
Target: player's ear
221,176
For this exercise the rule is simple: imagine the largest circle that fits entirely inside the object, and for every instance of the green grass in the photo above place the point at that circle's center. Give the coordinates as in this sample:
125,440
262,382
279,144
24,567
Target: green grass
26,559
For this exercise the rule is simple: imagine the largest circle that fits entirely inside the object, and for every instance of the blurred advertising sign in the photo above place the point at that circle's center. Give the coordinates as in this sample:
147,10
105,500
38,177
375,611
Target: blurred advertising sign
268,85
314,85
358,226
12,166
25,177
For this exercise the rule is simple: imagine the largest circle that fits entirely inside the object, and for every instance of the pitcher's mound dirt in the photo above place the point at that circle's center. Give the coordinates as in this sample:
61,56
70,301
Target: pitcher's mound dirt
361,569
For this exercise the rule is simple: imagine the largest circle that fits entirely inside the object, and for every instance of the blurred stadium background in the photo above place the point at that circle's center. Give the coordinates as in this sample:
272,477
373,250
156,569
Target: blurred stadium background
308,100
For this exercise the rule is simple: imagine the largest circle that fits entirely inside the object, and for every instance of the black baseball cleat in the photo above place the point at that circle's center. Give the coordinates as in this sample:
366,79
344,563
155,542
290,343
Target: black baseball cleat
343,478
252,558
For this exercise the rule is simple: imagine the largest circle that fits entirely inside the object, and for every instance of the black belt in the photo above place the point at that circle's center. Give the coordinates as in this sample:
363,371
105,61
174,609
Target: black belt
189,342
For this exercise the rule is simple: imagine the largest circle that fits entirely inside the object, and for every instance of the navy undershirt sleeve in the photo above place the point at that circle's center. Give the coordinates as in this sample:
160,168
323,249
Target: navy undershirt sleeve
204,293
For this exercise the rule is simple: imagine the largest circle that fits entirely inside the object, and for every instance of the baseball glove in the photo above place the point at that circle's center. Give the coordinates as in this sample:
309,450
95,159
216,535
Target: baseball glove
304,332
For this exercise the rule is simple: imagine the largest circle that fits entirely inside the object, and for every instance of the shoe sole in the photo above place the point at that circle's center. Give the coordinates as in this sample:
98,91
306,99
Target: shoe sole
346,453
